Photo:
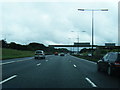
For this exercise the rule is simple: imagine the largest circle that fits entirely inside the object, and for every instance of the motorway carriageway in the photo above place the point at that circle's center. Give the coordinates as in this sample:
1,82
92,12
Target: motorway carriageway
54,72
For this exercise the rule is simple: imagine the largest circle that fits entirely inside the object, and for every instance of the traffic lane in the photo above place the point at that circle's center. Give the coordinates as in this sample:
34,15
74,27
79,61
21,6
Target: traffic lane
31,73
100,78
63,75
13,68
56,73
19,71
68,59
9,61
19,59
20,67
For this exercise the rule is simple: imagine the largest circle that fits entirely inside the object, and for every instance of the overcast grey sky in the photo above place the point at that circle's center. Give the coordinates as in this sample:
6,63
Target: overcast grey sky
52,22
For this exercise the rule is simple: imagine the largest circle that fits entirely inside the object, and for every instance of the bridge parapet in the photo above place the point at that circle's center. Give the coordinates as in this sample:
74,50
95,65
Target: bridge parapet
114,47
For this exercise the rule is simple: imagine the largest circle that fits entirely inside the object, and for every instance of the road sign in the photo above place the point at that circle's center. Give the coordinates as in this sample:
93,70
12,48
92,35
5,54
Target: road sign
109,44
82,44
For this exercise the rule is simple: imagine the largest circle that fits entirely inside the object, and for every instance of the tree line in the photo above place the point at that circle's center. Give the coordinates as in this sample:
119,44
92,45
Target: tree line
30,47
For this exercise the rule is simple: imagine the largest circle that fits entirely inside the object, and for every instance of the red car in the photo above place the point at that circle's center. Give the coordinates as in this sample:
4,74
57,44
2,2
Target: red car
56,53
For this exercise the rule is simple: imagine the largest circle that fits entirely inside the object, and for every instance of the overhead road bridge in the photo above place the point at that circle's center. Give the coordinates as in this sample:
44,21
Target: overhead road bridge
71,45
114,47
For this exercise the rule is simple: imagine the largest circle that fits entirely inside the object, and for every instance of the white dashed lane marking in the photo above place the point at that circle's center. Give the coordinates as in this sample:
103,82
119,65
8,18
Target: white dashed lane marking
93,85
38,64
8,79
74,65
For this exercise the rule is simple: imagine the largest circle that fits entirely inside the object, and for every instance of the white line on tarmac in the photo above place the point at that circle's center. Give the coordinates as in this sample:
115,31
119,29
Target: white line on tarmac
85,60
74,65
8,79
38,64
13,61
7,62
93,85
89,61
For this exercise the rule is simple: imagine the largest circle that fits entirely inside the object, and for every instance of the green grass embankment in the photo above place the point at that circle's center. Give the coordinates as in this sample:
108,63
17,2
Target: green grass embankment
12,53
98,54
94,58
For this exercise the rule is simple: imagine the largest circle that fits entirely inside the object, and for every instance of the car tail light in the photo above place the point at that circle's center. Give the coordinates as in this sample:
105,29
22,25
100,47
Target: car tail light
117,63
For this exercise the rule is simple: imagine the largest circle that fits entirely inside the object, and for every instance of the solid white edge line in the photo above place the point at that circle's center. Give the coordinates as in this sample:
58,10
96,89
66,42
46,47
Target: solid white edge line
38,64
13,61
85,60
88,61
74,65
90,82
22,60
7,62
8,79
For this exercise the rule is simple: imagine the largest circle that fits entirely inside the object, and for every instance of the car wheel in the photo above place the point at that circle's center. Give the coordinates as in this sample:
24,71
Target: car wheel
109,71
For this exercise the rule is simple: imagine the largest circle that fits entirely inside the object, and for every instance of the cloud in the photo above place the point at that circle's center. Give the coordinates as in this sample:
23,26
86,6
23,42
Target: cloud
59,0
52,22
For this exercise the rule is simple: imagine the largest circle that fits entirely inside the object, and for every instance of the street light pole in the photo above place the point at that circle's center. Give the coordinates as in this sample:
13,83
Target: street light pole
92,30
70,44
92,22
77,40
78,43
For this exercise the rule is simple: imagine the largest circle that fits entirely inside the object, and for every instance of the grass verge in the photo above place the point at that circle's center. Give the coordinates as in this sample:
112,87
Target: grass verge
12,53
94,59
98,54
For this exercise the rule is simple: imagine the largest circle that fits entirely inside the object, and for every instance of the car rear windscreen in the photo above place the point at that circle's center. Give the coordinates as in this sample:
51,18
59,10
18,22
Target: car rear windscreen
38,51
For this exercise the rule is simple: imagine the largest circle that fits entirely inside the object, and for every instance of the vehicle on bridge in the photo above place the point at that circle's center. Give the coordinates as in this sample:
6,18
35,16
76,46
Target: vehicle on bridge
39,54
110,63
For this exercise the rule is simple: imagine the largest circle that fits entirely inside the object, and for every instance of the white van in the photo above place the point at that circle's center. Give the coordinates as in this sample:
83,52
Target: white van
39,54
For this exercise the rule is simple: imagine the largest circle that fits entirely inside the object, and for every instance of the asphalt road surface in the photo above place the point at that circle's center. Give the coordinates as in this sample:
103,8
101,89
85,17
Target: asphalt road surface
54,72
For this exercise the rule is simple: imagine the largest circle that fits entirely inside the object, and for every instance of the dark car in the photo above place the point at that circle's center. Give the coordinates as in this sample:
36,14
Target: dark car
110,63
